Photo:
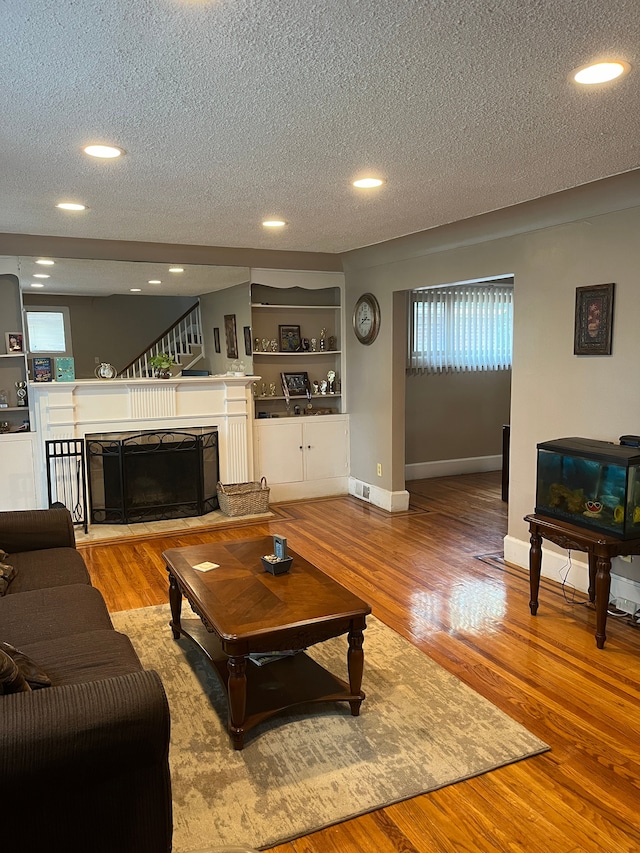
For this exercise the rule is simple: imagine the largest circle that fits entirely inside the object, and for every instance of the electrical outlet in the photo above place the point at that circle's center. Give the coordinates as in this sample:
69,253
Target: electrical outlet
96,359
379,469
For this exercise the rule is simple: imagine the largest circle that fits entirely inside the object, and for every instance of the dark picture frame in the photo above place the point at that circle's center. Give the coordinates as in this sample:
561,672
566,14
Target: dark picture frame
594,320
289,339
216,338
295,384
230,335
248,349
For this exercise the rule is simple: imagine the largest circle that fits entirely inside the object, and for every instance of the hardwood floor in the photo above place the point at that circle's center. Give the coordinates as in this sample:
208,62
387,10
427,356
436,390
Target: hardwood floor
421,573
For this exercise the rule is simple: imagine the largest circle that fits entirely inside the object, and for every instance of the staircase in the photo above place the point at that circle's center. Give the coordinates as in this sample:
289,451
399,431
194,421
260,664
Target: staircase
183,341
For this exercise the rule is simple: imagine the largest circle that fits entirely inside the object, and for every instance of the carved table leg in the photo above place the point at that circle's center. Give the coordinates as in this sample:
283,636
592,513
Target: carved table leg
175,601
593,562
355,664
535,562
237,699
603,588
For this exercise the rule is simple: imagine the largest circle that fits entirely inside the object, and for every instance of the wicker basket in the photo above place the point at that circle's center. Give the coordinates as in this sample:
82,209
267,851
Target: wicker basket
243,498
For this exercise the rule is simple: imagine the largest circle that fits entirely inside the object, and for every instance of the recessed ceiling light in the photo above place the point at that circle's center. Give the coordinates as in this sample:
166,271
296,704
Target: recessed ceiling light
368,183
601,72
37,284
135,289
154,281
45,262
71,205
106,152
41,275
274,223
176,269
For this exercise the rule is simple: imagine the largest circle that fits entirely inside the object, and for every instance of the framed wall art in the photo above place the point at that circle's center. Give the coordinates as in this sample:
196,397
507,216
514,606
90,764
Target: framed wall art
230,335
289,338
247,340
594,320
216,338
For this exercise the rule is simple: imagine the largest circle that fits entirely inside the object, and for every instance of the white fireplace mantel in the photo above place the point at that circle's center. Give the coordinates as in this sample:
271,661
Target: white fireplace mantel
63,410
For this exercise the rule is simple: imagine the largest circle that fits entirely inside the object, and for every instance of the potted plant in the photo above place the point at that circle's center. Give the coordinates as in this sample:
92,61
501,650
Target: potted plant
162,364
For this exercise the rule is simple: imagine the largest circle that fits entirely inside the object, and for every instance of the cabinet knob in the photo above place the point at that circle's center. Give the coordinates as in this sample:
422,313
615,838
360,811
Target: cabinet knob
308,447
300,447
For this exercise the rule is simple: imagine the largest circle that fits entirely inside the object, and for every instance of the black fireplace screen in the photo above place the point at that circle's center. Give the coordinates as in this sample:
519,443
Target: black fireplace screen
152,476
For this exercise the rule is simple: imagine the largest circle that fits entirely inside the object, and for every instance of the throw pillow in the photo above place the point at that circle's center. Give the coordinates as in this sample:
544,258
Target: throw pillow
11,679
7,574
3,555
35,677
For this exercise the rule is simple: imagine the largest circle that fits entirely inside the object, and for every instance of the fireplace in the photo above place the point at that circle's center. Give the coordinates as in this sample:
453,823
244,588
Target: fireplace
152,476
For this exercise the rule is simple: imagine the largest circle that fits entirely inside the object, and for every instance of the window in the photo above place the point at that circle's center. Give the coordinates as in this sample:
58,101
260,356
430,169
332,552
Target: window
48,330
461,327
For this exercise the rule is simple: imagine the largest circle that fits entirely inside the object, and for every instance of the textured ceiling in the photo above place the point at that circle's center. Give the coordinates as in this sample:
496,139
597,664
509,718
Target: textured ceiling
234,110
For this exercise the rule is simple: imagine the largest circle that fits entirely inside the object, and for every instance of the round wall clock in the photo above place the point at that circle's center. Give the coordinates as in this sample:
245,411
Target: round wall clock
366,318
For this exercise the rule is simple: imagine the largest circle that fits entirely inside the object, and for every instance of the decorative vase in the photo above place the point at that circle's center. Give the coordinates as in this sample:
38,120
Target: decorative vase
163,373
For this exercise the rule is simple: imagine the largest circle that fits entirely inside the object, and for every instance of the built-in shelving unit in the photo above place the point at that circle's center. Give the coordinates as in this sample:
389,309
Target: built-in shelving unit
312,310
13,365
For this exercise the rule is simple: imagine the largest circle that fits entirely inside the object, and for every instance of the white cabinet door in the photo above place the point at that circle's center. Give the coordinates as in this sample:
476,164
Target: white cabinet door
302,449
18,472
280,451
325,448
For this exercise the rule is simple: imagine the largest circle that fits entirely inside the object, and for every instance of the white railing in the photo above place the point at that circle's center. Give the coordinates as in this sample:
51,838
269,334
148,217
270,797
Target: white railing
183,341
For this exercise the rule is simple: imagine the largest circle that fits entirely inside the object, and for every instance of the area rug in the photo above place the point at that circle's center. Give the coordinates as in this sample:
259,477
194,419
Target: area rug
419,729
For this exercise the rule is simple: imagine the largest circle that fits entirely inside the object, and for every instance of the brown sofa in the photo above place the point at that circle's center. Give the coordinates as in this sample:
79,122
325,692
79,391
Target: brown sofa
84,761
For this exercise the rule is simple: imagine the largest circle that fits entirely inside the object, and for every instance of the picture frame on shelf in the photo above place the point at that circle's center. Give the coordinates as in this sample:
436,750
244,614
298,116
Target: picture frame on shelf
289,339
216,338
42,369
14,342
230,335
594,320
248,348
295,384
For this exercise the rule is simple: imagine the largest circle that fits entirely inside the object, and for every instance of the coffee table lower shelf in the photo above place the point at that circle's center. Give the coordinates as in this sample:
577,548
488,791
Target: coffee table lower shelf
275,687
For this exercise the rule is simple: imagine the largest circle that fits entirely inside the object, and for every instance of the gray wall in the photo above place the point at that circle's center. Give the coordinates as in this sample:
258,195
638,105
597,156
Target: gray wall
114,329
456,415
582,237
213,306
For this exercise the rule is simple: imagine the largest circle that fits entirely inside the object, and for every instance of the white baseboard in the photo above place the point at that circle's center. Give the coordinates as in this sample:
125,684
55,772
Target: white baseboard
555,565
390,501
451,467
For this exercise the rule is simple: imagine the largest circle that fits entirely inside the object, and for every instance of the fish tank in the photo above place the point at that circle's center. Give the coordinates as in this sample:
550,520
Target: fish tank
592,484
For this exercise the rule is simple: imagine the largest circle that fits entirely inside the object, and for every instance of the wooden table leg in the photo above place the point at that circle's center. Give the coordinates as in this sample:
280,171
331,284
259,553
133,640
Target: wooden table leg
593,561
535,563
603,588
355,664
237,699
175,601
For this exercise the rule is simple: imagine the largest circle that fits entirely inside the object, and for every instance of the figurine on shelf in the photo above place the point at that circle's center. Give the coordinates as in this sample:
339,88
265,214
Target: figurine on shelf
323,386
305,344
314,344
323,333
316,387
272,389
274,345
331,378
265,345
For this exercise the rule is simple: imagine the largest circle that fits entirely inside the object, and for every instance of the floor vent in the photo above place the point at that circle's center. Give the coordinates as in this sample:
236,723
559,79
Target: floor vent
362,490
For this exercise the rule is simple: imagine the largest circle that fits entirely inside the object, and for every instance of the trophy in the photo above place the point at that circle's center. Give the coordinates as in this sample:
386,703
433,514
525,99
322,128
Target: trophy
331,378
21,393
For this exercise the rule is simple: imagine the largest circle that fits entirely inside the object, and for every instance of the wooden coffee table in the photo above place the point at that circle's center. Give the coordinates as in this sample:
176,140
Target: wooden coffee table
247,610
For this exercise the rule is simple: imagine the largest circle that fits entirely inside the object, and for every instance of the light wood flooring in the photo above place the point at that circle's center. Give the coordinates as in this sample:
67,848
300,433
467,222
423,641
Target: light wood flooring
421,573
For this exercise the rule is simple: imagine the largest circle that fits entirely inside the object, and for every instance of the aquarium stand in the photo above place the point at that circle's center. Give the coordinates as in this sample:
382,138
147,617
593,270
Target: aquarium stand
600,549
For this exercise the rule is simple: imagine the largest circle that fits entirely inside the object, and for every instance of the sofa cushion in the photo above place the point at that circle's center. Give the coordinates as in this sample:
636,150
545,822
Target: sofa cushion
85,657
46,614
11,679
48,568
33,674
7,574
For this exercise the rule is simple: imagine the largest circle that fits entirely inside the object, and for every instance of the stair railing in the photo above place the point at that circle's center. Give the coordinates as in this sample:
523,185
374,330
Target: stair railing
177,341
